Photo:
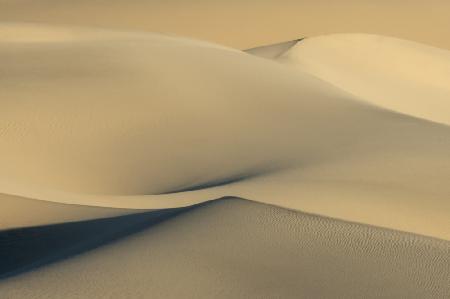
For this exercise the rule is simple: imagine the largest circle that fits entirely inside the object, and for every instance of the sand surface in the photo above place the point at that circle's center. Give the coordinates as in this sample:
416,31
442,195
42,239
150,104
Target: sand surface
123,153
239,249
131,120
396,74
19,212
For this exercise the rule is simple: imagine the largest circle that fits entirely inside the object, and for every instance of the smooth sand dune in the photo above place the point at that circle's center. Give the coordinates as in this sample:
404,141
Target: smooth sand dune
122,152
400,75
144,121
245,24
238,249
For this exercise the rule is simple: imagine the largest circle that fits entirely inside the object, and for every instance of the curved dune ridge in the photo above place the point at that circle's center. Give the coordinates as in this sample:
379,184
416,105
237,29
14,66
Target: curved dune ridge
238,249
400,75
143,121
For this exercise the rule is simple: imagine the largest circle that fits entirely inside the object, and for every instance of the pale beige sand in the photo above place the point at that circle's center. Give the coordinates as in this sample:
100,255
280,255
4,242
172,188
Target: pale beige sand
239,249
249,23
129,120
396,74
18,212
98,123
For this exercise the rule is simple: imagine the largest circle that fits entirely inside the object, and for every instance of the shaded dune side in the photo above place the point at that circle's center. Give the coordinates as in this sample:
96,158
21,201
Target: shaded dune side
16,212
25,249
273,51
234,248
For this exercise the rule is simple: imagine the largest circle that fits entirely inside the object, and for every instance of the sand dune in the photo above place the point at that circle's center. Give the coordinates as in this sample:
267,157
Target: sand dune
105,103
399,75
336,146
128,120
237,249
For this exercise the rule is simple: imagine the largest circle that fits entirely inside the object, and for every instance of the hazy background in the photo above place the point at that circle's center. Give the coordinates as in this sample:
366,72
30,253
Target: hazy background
246,23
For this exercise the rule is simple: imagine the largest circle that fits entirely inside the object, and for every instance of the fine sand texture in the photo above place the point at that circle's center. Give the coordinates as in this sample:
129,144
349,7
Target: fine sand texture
238,249
143,165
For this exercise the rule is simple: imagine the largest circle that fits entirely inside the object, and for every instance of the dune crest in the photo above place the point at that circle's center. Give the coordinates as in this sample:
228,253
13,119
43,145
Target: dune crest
396,74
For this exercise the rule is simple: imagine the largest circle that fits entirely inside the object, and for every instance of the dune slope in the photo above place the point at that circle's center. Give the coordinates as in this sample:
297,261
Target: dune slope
238,249
28,248
400,75
19,211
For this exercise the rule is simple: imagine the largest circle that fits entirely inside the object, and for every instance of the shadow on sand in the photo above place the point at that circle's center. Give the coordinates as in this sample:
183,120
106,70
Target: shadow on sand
25,249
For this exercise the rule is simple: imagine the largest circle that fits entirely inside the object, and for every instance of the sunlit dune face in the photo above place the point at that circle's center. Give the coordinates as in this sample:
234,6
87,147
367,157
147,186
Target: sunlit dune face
401,75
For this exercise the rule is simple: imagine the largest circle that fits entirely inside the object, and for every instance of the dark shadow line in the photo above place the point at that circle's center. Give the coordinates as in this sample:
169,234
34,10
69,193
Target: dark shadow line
269,45
236,178
26,249
214,183
296,42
